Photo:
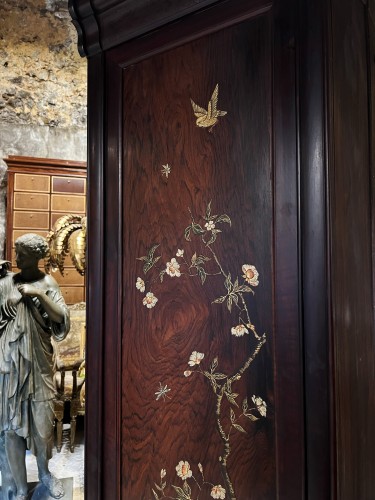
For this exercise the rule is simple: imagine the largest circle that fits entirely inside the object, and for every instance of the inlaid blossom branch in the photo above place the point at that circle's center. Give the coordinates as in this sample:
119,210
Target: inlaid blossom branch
236,291
192,486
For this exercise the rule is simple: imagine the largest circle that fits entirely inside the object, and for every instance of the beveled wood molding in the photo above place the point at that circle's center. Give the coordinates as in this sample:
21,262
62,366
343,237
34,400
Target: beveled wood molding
42,162
103,24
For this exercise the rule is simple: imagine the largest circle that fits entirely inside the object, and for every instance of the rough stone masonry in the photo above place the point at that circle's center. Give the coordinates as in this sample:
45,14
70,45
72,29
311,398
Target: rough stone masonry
42,86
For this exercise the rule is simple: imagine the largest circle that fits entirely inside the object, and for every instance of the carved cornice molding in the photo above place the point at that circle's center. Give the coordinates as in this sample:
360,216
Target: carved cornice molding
103,24
84,20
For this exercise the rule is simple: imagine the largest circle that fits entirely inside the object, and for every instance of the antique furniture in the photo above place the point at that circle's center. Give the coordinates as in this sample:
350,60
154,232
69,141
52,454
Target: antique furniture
69,377
40,191
290,165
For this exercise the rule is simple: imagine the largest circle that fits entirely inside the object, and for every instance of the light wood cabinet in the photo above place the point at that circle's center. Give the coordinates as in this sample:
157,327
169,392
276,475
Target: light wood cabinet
40,191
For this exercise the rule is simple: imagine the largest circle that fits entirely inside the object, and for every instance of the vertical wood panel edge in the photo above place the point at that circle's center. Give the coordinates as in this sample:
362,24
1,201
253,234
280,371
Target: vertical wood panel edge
95,284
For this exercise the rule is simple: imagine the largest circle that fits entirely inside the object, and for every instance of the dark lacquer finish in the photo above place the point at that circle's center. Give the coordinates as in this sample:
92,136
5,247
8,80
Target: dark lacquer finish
103,24
315,282
230,167
352,300
290,165
239,175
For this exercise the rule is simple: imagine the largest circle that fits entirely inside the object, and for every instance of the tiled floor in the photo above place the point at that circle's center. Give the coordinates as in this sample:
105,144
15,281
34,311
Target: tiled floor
65,463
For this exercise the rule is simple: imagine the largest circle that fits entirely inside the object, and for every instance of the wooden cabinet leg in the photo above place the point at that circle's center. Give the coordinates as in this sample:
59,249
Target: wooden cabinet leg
73,424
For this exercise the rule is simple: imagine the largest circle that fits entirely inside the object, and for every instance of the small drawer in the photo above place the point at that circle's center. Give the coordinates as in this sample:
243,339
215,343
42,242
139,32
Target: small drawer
69,204
71,277
30,220
57,215
28,182
31,201
73,294
19,232
75,185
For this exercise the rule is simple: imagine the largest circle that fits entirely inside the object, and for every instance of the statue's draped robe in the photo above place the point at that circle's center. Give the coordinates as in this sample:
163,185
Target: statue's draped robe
26,360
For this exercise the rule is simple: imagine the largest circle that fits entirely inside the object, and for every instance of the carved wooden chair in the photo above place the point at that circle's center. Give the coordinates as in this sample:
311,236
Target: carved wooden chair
69,373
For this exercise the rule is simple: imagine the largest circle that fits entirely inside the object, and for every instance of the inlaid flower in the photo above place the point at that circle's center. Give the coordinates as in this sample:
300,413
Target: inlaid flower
183,470
173,268
195,358
210,225
250,274
187,373
140,285
239,330
150,300
163,473
260,404
218,492
180,253
200,467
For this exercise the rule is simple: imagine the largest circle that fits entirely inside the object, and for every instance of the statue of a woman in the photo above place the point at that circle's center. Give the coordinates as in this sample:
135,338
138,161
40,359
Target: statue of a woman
32,310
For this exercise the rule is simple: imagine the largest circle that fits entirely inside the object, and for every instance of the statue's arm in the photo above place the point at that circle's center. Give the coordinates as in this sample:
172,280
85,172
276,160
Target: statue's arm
54,311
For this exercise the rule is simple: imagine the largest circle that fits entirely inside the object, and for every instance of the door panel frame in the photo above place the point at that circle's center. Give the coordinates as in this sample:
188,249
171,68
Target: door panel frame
105,292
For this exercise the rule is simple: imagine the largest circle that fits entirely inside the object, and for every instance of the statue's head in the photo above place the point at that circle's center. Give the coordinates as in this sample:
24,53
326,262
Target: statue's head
32,244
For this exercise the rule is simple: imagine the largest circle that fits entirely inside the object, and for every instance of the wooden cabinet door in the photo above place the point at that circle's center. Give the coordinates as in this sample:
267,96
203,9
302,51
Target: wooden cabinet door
197,375
201,361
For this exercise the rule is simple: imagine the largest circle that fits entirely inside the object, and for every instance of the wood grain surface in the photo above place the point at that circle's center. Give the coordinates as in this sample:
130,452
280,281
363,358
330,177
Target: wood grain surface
230,167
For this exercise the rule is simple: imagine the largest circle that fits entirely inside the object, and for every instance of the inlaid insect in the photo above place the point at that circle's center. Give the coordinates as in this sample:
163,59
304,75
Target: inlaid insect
162,392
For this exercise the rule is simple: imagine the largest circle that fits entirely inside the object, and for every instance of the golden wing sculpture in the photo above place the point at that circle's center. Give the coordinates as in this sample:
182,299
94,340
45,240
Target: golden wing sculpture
208,118
67,237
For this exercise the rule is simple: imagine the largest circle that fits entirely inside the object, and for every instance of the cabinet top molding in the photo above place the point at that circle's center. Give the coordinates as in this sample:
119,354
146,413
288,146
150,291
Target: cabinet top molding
103,24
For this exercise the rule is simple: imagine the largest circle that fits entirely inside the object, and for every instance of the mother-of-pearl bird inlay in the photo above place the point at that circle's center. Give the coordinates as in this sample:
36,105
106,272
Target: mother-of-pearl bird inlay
208,118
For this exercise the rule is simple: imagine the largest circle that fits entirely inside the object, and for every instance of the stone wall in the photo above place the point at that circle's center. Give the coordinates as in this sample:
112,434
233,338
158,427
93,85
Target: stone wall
42,86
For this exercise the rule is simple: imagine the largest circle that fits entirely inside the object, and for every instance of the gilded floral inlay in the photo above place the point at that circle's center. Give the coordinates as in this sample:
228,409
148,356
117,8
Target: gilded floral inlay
234,296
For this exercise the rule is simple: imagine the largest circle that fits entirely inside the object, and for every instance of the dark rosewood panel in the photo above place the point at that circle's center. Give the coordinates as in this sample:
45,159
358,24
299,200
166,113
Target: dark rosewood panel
351,258
141,118
227,170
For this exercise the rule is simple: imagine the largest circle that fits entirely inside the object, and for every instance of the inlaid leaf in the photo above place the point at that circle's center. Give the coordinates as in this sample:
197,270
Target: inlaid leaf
251,417
245,405
239,428
214,234
234,297
214,364
180,493
149,264
219,300
208,211
231,398
187,488
202,274
224,218
228,282
187,233
197,229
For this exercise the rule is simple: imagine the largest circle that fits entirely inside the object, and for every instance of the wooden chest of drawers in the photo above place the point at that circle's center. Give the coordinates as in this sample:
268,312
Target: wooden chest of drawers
40,191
